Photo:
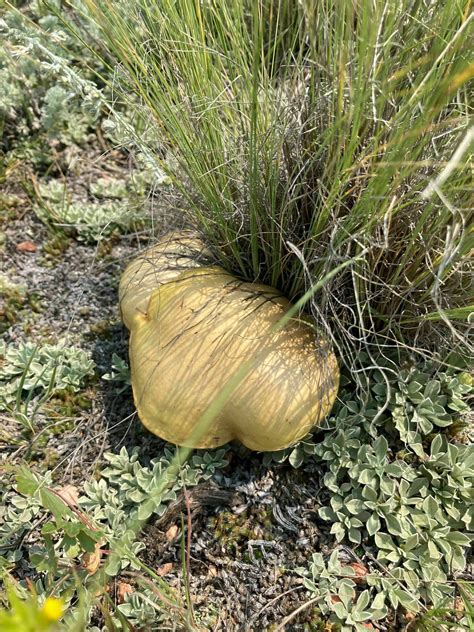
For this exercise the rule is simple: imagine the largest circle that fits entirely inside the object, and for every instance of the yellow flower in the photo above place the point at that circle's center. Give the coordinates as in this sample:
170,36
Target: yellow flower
52,609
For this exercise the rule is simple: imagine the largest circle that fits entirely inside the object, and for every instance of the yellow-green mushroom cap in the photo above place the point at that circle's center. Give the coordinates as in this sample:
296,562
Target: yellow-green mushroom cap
205,329
167,259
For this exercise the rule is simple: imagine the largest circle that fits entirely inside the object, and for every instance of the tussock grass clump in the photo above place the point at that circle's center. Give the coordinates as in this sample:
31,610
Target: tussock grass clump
302,135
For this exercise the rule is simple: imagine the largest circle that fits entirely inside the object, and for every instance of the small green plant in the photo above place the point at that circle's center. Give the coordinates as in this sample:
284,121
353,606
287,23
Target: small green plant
38,108
30,374
119,374
27,614
109,188
32,370
141,608
88,221
52,100
333,586
126,488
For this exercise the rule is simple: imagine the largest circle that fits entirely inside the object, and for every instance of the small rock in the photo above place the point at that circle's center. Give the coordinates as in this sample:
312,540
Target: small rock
123,589
165,569
172,533
26,246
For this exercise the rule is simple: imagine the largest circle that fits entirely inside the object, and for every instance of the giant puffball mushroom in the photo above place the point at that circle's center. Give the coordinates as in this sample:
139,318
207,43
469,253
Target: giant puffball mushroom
172,254
204,328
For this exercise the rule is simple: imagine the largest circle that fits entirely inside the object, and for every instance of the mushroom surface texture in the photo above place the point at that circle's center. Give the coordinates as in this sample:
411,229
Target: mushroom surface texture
210,342
170,256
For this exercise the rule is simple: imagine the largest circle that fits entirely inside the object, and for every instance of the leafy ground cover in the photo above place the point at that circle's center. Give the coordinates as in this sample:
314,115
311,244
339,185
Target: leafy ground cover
367,523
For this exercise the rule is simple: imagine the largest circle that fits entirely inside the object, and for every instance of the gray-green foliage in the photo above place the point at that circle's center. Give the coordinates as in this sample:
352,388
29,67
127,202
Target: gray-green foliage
296,455
141,608
399,485
17,517
333,585
50,92
350,598
115,506
30,369
90,220
119,374
126,493
36,96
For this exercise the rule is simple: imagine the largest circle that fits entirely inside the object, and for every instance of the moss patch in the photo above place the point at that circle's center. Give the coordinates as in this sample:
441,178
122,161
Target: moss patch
235,530
15,299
